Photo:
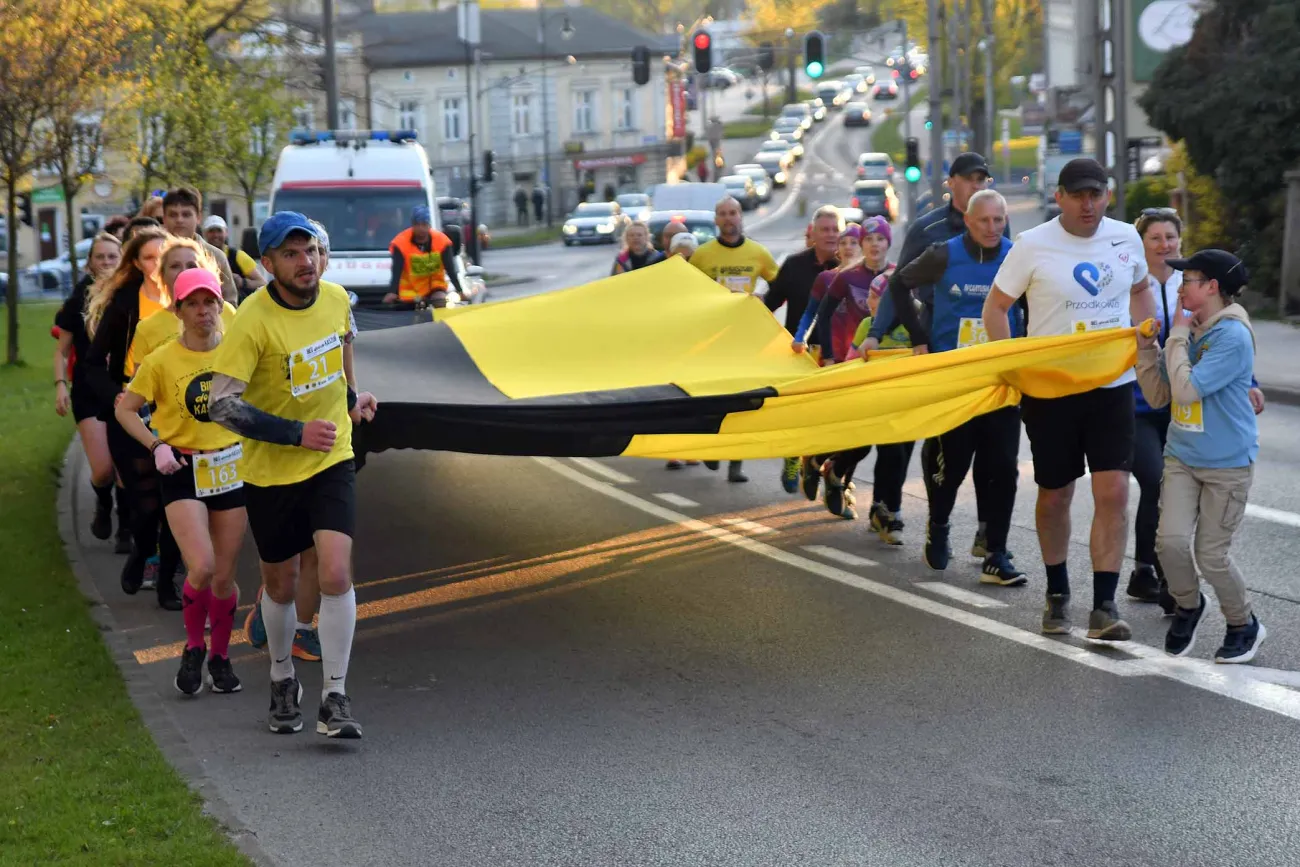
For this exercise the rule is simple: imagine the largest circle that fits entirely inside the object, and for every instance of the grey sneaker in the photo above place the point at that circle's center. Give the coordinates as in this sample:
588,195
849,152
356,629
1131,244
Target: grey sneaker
1056,619
286,716
334,720
1104,624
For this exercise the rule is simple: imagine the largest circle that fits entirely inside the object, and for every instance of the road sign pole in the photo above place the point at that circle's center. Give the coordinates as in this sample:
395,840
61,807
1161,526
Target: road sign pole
936,110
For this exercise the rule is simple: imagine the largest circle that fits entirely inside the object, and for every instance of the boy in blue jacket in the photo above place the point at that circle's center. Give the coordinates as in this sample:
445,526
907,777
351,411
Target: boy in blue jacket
1205,372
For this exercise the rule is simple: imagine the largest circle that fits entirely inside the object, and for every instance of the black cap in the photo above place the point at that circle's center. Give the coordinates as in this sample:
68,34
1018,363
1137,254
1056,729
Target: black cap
1083,174
1216,265
968,164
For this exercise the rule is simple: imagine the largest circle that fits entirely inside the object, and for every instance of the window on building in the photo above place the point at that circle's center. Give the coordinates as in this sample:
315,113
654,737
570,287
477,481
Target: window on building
453,125
304,117
261,138
625,108
584,111
408,115
521,114
89,145
347,114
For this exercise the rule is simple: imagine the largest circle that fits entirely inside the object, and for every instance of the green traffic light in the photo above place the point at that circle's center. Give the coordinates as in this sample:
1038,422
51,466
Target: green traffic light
929,124
815,70
913,174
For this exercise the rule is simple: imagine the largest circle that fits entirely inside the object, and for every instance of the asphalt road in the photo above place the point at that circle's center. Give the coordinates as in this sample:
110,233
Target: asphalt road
565,662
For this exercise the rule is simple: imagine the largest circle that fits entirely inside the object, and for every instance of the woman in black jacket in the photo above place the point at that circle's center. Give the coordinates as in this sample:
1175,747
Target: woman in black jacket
133,292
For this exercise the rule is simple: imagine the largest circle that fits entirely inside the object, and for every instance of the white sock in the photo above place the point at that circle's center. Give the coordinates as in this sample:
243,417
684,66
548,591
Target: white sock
338,621
279,635
299,625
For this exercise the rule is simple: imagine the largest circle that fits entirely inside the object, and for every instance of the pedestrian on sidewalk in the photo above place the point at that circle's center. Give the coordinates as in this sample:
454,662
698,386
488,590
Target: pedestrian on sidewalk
539,202
1204,371
521,207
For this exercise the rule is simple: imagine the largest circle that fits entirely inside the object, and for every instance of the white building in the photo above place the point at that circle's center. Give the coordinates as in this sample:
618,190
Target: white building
562,91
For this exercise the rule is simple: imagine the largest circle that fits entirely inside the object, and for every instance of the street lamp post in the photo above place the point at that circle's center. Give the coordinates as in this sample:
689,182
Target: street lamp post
791,93
566,33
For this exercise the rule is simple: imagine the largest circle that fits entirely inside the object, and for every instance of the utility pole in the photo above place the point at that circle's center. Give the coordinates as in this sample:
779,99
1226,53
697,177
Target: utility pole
791,92
469,36
951,12
907,121
1111,101
546,117
330,69
936,110
990,109
968,73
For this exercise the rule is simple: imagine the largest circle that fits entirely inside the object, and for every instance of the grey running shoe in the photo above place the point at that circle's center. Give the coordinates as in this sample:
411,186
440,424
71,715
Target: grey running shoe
1056,617
980,547
286,716
334,720
1104,624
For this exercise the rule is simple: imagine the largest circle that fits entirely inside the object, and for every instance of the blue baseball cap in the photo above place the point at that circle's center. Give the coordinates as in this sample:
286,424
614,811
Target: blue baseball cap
279,226
421,214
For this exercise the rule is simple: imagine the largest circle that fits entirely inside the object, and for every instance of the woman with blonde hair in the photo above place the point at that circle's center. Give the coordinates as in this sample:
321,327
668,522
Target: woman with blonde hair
637,250
73,393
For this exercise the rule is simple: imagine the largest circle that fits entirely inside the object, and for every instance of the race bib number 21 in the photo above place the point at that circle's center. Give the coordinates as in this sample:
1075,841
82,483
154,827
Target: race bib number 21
315,366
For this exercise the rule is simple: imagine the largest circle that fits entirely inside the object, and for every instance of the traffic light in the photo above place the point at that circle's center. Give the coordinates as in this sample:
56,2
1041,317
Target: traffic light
641,64
913,171
814,54
766,57
703,44
489,166
25,208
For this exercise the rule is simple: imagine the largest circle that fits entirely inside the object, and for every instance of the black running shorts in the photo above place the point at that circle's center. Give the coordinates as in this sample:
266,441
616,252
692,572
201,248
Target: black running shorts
180,486
285,518
1095,427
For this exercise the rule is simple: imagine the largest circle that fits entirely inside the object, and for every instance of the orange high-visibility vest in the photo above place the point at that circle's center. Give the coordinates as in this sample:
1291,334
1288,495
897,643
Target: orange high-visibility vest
422,273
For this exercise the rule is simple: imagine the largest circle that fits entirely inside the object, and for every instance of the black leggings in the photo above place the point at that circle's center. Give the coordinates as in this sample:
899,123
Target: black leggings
149,531
892,461
1150,432
946,459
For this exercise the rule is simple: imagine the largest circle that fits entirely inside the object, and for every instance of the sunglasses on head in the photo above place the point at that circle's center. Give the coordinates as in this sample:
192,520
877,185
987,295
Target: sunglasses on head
1159,212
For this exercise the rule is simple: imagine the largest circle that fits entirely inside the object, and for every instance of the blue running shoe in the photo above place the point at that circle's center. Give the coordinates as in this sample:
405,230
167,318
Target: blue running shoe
254,628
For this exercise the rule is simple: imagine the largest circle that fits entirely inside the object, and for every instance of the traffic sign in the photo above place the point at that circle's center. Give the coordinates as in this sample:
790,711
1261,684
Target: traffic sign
47,195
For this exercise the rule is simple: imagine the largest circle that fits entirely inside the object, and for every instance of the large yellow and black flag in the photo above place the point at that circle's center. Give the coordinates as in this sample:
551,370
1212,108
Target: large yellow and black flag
662,362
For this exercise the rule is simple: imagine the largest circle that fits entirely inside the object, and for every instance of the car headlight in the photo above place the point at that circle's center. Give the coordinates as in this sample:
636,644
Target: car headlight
570,229
605,228
780,177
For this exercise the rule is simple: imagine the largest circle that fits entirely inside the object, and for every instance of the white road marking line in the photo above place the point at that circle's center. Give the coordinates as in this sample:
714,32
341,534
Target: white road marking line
838,556
678,501
1232,682
601,470
1277,516
966,597
748,526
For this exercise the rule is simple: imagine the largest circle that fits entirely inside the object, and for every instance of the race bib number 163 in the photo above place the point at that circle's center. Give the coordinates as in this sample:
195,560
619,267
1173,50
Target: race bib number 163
315,366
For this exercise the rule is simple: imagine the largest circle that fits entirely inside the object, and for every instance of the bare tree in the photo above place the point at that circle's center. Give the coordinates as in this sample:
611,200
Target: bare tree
75,150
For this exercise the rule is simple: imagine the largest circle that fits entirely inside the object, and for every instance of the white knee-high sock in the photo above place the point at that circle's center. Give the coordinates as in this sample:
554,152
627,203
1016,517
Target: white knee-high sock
337,623
279,619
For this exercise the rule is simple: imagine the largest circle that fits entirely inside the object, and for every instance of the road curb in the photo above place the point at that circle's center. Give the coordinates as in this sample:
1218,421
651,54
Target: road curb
162,726
1283,394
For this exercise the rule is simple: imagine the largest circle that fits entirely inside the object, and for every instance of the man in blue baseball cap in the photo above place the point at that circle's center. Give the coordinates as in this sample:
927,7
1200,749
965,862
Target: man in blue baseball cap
422,263
283,380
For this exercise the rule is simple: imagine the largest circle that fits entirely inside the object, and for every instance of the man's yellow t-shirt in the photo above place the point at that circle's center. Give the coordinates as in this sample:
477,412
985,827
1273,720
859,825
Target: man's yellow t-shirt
178,381
161,328
737,268
292,360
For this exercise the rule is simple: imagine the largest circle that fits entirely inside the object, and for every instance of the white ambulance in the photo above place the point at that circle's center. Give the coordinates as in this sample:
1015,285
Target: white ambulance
362,186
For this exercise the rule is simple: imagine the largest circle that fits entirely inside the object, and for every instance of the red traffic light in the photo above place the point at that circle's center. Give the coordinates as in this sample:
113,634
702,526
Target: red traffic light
702,41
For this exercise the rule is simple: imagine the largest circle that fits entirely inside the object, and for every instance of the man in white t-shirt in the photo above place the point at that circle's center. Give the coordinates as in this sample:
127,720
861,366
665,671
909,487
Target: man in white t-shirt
1079,272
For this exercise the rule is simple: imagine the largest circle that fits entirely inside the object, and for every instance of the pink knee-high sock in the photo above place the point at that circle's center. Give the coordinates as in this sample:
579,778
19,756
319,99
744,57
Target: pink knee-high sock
222,614
194,611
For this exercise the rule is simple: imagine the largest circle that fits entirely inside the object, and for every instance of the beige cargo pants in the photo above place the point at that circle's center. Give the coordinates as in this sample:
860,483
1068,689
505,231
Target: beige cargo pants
1200,509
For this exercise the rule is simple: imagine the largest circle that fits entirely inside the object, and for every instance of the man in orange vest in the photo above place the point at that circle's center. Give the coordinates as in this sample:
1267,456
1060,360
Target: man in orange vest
422,264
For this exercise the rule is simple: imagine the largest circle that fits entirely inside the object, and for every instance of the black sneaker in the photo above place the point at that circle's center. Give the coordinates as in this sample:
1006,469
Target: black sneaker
101,525
810,476
936,553
735,473
833,494
221,676
1182,632
1241,643
133,572
1104,624
123,543
286,715
1056,616
1165,599
334,719
998,569
712,465
1143,585
189,680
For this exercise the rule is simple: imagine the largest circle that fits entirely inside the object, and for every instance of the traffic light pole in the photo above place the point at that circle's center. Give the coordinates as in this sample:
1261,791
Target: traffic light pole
907,122
936,106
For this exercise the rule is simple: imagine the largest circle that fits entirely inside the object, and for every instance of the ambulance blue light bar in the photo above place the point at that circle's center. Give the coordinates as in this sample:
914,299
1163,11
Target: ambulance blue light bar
350,136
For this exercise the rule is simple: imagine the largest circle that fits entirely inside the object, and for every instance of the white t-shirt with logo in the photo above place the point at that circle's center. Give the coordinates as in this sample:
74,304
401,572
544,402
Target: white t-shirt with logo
1074,284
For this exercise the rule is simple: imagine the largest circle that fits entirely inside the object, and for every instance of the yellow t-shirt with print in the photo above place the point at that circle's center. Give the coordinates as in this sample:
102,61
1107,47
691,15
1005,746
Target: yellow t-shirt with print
737,268
161,328
292,360
178,381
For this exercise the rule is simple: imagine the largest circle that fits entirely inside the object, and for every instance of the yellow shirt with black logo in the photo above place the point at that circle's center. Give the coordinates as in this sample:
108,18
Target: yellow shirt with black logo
737,268
178,381
161,328
292,360
244,263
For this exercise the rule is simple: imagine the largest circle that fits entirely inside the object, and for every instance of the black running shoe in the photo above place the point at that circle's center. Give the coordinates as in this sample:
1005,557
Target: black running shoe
998,569
735,473
937,553
810,476
101,525
713,465
1242,642
286,715
133,572
189,680
221,676
833,494
1143,585
1181,636
1165,599
123,543
334,719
